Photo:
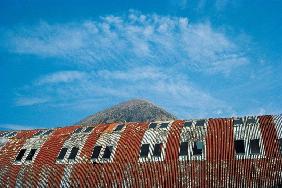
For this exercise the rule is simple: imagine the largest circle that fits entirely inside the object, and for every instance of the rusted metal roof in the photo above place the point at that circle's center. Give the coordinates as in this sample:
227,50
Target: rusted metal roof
223,152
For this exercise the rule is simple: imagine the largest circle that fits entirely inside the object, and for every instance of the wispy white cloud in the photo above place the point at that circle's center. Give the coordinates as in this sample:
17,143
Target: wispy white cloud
176,93
30,101
16,127
130,40
61,77
133,56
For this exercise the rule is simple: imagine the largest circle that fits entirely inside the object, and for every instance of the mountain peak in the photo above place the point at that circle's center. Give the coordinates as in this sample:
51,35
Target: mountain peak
135,110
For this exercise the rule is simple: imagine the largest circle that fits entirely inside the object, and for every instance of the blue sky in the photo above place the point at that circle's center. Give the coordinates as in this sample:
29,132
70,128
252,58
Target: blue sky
63,60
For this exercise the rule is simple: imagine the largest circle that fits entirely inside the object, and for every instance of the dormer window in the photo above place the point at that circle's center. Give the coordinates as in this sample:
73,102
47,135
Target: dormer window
11,134
78,130
254,146
31,154
153,125
164,125
200,123
108,152
239,146
144,150
119,127
238,121
187,123
47,132
3,134
73,153
158,150
88,129
20,155
251,120
38,133
198,148
62,153
183,149
96,152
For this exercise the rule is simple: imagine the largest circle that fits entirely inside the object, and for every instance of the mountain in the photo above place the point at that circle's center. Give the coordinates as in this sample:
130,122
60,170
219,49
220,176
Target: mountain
135,110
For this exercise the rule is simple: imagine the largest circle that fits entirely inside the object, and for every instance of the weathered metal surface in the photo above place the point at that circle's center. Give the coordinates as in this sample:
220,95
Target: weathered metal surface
229,152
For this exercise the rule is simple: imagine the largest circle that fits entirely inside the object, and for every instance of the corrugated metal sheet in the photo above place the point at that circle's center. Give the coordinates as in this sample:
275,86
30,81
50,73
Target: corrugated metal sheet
209,157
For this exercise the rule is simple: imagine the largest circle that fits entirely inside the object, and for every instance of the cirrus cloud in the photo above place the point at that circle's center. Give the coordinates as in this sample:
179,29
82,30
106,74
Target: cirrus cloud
131,56
131,40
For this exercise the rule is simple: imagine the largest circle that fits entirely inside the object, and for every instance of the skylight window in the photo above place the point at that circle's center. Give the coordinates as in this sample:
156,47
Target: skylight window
153,125
239,146
254,146
31,154
164,125
62,153
198,148
96,152
158,150
119,127
108,152
187,123
88,129
144,152
20,155
183,148
73,153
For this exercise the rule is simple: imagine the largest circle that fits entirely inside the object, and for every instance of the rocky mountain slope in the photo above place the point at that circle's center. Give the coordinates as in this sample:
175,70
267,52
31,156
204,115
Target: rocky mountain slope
130,111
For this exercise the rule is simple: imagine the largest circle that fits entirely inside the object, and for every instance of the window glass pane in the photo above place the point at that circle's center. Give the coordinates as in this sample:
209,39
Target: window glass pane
157,150
200,122
62,153
73,153
119,127
96,152
31,154
164,125
108,152
153,125
20,155
78,130
88,129
198,148
183,148
239,146
254,146
188,124
144,150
